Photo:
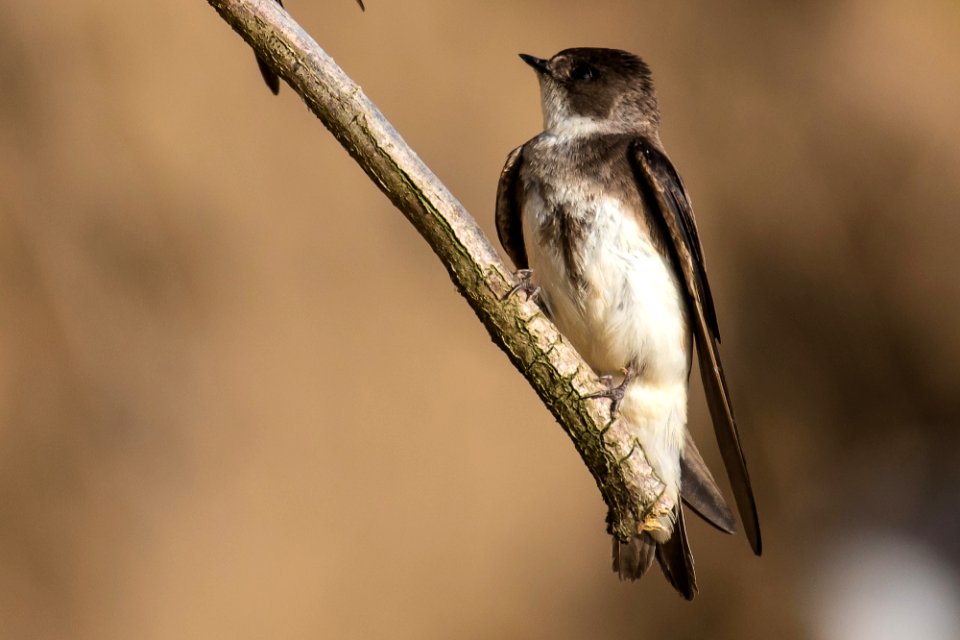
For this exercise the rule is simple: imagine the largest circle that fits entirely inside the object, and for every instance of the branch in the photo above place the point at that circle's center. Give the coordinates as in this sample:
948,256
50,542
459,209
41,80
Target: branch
531,341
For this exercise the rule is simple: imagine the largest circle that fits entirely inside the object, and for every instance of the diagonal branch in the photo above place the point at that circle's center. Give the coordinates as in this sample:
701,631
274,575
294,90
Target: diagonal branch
531,341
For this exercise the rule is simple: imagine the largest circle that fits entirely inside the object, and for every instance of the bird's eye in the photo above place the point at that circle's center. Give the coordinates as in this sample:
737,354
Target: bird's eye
583,72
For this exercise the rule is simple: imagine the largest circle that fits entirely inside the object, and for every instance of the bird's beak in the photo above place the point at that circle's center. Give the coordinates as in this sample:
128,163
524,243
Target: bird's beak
539,64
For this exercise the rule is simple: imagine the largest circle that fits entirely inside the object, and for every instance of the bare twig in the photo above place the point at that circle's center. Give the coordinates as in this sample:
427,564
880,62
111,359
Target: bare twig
533,344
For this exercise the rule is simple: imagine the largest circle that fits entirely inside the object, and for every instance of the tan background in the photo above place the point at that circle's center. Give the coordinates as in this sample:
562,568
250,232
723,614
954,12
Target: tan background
239,397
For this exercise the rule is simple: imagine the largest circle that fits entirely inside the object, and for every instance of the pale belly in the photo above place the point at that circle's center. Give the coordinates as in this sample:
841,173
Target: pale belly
627,308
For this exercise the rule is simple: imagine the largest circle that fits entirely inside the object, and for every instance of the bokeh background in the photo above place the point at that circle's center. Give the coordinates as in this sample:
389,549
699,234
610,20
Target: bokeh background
240,398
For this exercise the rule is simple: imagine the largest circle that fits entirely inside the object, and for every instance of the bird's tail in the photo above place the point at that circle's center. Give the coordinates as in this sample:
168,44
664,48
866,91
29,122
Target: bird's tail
631,559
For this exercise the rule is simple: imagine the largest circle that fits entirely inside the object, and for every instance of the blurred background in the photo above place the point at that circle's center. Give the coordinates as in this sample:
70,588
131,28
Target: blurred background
239,396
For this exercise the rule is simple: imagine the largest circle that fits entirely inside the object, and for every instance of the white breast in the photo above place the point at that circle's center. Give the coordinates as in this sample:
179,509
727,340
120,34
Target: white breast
629,309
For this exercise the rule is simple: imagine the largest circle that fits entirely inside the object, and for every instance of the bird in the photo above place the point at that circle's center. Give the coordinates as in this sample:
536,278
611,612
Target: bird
600,227
269,76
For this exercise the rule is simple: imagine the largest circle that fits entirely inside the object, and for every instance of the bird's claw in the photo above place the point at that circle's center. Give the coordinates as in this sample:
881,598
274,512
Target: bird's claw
615,393
526,285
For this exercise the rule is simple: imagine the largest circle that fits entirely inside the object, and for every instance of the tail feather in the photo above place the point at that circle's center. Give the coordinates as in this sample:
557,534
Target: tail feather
676,560
633,558
699,489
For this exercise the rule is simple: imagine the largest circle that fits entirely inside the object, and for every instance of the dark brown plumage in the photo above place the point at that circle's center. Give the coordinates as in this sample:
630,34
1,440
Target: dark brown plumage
658,177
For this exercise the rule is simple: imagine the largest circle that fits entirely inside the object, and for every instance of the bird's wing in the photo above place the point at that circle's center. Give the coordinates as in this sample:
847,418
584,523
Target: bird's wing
508,220
663,191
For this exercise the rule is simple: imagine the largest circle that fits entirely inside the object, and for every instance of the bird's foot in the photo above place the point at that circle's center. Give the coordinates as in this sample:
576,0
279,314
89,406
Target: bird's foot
615,393
525,276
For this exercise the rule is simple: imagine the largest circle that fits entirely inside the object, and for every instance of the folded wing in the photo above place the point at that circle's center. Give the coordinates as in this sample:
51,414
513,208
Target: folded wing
663,191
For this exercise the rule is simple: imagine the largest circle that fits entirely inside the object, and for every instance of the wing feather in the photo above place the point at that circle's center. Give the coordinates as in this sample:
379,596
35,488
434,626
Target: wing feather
665,194
509,224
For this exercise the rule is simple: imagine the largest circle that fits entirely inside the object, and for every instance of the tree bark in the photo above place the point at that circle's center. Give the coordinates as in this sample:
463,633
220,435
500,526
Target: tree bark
560,377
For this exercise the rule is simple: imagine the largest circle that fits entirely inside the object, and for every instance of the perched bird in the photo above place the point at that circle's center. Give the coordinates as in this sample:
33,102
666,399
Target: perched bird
272,80
596,218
